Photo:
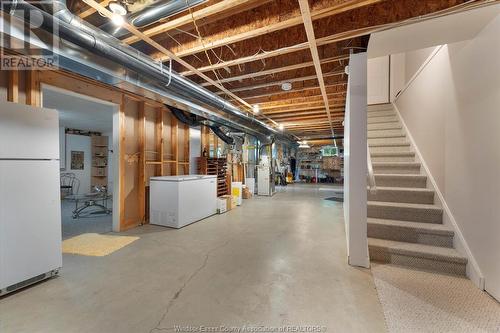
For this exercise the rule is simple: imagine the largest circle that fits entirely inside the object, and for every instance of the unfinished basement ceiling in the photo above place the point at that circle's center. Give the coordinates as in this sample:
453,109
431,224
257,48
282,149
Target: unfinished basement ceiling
252,47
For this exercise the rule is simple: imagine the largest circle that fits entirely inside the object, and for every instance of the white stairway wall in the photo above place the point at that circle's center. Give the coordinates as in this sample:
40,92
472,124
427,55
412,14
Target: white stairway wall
452,111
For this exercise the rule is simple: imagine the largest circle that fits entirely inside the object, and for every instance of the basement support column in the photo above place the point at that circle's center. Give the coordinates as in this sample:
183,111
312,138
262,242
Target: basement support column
355,162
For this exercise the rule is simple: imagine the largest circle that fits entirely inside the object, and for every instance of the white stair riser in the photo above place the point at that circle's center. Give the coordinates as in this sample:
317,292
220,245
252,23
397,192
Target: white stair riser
385,134
396,169
405,213
420,182
381,113
378,254
381,126
389,141
393,158
419,197
390,149
386,119
379,107
409,235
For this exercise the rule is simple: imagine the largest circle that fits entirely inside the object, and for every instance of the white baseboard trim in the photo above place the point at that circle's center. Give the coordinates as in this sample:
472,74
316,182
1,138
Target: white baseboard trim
473,272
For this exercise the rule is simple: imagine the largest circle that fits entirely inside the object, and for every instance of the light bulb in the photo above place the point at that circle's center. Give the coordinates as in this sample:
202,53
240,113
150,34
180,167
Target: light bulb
256,109
117,20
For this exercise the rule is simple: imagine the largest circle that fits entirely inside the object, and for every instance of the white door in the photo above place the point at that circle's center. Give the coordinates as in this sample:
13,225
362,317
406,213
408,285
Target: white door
30,220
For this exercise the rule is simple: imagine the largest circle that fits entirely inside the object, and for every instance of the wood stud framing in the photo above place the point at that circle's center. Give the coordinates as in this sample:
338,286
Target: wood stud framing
252,30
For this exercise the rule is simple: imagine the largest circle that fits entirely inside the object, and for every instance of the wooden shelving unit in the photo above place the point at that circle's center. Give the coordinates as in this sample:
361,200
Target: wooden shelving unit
100,149
218,167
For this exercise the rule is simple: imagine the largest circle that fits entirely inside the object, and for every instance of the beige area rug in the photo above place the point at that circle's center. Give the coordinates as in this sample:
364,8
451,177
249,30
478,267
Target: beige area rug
96,245
417,301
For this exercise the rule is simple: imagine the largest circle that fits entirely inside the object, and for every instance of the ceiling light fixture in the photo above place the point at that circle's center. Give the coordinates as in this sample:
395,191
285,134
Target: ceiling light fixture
117,7
256,109
117,20
304,144
286,86
281,127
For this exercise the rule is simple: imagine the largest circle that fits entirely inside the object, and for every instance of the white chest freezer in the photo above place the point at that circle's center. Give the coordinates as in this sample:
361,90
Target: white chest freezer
176,201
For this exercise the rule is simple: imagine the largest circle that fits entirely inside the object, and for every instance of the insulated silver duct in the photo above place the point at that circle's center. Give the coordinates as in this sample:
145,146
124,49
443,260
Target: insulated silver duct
79,32
150,14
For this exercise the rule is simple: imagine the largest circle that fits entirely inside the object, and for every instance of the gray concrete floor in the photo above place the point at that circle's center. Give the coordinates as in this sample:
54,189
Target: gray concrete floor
272,262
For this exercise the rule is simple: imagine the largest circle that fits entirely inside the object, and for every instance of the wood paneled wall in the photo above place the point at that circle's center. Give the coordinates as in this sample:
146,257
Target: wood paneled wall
151,141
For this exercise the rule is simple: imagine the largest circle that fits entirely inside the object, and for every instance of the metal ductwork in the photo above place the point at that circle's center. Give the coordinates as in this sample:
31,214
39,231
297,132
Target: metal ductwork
221,135
150,14
188,119
84,35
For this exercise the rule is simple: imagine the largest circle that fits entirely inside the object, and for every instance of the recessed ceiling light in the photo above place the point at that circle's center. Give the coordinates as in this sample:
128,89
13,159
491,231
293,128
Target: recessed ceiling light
117,8
286,86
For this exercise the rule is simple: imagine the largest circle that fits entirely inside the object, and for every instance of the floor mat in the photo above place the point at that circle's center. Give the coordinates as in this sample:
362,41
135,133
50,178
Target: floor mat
96,245
417,301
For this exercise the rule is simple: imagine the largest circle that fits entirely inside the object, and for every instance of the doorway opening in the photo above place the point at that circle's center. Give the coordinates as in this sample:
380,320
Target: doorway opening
88,143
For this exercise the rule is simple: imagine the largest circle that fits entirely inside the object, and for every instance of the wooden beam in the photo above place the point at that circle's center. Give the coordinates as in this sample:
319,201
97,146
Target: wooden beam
32,88
300,107
266,29
304,111
278,83
278,70
299,114
304,108
121,162
91,10
141,190
295,91
159,139
187,19
175,144
13,86
300,101
164,51
306,16
307,117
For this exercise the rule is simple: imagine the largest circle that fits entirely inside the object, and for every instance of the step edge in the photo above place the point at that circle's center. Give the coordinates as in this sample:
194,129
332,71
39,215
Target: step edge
427,228
420,254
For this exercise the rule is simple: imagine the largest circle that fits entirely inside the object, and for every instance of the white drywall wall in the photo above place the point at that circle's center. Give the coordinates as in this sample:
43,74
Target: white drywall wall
414,59
452,111
378,80
397,74
433,32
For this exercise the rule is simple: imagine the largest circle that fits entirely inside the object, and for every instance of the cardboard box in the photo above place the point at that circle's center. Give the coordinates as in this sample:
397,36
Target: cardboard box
237,192
221,205
229,201
246,193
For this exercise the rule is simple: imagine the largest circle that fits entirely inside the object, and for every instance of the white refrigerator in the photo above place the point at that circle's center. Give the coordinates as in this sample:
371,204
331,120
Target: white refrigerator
176,201
30,209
